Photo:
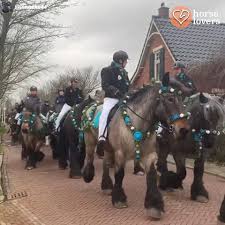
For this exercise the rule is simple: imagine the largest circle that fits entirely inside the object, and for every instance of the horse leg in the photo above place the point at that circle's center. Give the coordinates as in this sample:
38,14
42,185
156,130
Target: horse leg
138,170
31,160
153,199
198,191
23,152
119,198
170,179
62,161
107,184
75,170
89,169
163,153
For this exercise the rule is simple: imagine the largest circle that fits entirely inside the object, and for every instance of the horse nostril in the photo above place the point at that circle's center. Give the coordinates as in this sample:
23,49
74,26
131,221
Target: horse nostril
25,131
183,132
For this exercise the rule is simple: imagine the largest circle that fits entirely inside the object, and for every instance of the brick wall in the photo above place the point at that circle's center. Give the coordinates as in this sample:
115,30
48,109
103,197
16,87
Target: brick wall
144,76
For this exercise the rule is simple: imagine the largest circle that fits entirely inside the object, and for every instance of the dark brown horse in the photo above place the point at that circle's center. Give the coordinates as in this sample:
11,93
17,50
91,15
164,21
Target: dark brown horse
206,122
71,147
33,137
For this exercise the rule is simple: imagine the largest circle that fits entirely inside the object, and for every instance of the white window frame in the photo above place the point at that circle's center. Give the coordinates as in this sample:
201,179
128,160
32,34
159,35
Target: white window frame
156,52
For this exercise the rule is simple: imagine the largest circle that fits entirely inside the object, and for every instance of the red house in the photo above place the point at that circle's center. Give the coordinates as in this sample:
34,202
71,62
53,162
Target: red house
166,43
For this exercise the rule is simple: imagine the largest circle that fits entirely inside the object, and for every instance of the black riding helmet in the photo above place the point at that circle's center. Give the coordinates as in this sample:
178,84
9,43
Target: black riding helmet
179,64
120,56
33,88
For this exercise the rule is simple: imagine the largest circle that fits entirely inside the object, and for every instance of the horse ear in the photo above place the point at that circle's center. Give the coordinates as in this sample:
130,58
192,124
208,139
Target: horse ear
202,98
166,79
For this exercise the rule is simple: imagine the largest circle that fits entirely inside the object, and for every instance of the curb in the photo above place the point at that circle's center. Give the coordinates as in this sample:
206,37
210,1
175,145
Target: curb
220,175
2,196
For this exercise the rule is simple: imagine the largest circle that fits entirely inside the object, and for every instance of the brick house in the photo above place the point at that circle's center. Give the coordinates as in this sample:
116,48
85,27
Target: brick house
165,44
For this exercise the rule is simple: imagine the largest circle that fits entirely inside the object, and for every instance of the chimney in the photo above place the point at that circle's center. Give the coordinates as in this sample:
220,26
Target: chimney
163,11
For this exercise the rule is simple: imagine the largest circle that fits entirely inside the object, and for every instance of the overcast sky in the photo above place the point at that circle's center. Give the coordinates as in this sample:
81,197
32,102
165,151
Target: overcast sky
104,26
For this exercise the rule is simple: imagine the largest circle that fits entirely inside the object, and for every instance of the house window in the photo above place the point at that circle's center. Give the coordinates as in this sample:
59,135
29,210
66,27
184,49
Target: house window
157,61
157,65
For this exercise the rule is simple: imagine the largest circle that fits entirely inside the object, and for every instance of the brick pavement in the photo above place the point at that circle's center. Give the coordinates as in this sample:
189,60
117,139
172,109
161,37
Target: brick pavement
53,199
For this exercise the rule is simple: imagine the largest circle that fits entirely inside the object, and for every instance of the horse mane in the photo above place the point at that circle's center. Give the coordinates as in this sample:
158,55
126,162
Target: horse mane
136,96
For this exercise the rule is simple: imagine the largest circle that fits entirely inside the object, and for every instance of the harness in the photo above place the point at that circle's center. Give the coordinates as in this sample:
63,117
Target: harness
140,136
31,122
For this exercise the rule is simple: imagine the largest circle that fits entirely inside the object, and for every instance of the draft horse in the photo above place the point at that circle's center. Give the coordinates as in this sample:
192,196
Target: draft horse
132,136
207,120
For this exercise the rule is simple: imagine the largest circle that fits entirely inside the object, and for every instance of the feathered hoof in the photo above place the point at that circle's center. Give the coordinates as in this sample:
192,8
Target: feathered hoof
30,167
154,213
89,173
107,192
202,199
140,173
75,177
120,205
219,222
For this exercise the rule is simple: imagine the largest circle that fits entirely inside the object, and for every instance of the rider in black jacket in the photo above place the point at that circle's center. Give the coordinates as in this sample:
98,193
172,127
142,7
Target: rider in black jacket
115,83
73,96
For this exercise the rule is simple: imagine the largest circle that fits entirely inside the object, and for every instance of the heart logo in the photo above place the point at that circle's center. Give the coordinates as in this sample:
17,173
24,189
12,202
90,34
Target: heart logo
181,16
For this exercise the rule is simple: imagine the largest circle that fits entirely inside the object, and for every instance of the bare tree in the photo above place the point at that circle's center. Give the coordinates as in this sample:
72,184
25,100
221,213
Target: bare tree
26,37
210,74
88,78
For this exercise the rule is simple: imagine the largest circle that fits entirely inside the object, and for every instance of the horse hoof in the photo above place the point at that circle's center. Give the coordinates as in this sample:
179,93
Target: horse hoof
120,205
140,173
107,191
75,177
202,199
154,213
30,167
219,222
89,173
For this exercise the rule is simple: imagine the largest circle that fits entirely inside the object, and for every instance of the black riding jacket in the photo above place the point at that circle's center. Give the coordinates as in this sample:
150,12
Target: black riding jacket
32,104
115,81
73,96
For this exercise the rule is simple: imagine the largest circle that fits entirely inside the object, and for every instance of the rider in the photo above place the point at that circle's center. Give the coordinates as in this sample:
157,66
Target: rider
115,83
60,100
32,102
73,96
181,76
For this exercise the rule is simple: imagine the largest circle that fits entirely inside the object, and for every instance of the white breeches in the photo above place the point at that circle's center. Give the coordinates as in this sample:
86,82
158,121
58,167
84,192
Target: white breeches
64,110
108,104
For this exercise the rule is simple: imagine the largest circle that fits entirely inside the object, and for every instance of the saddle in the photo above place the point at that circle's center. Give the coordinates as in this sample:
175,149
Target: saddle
111,114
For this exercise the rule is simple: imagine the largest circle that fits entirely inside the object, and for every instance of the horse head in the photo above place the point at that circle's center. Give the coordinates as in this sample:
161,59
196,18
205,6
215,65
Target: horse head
170,109
208,117
28,120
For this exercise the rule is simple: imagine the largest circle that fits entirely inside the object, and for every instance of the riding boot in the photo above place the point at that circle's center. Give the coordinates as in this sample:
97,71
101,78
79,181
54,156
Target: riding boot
100,148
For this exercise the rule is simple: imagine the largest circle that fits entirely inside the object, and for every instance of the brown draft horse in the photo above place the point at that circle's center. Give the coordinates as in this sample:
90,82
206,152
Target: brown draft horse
145,108
33,137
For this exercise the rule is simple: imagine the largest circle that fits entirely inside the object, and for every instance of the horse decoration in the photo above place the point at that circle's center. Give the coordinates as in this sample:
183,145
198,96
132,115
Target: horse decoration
33,136
132,135
206,121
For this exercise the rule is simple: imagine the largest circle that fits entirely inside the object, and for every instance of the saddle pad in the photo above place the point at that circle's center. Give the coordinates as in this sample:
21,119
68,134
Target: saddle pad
95,123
